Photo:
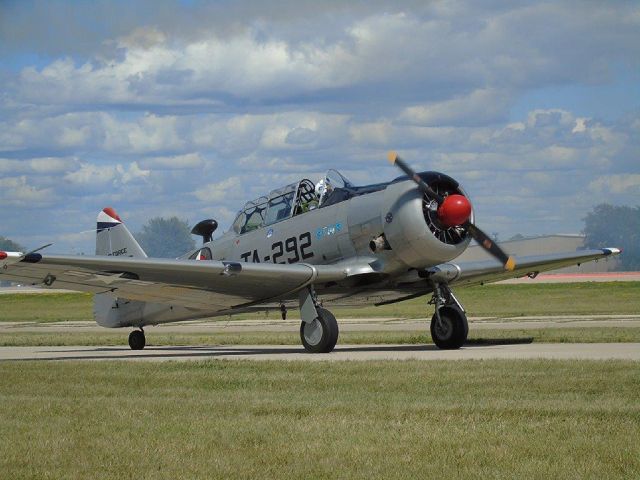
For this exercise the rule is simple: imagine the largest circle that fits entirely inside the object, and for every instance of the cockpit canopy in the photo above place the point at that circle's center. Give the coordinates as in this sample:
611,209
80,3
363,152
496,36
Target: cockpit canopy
279,205
295,199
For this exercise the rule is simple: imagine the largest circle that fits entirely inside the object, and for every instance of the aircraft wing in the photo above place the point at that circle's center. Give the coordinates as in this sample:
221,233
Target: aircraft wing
205,285
220,285
490,270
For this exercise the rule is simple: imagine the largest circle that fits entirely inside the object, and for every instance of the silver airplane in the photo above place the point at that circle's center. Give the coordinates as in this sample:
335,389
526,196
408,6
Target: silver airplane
306,246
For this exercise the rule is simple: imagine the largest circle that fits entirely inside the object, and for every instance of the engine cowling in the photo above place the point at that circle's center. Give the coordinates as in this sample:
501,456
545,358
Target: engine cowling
412,227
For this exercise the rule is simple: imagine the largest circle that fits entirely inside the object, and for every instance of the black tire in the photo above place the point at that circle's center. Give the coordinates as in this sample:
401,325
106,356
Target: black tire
321,335
137,340
455,329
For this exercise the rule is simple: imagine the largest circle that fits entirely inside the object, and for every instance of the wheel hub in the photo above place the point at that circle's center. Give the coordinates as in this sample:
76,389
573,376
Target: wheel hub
313,332
444,328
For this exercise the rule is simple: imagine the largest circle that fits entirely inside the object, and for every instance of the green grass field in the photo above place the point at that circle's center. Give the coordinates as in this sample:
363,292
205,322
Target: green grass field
158,338
237,419
486,301
231,419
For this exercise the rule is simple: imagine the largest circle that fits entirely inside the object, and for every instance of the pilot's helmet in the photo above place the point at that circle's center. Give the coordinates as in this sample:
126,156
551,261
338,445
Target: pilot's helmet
321,187
328,184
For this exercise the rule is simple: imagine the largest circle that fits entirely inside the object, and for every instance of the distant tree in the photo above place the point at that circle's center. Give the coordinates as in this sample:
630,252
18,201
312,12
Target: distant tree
166,237
10,245
615,226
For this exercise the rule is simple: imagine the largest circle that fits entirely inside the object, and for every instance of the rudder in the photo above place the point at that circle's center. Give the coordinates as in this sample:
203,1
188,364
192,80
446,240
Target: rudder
113,238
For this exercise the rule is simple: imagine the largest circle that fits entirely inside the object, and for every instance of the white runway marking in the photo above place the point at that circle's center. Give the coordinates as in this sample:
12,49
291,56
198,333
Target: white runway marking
585,351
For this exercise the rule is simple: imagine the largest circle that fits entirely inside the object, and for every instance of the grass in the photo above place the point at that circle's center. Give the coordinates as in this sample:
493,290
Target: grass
224,419
484,336
486,301
46,307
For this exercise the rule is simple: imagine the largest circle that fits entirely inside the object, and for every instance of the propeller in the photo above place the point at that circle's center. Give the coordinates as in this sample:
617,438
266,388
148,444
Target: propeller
453,211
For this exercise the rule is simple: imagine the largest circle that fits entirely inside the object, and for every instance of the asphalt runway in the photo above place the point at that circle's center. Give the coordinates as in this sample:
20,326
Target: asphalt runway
576,351
346,325
517,350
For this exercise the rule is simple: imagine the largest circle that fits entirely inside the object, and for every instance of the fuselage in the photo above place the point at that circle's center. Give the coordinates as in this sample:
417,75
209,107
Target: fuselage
386,224
382,234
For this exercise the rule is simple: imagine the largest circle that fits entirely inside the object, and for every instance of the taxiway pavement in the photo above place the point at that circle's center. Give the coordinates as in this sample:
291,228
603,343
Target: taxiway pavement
346,324
577,351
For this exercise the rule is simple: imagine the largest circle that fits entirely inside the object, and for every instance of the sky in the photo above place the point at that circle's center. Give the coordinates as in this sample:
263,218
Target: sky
189,108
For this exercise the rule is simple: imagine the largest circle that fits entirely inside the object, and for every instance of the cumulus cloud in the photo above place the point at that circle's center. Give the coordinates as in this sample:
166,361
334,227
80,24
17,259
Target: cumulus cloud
198,107
48,165
216,192
479,107
617,184
431,55
151,133
96,175
188,161
89,174
16,191
301,136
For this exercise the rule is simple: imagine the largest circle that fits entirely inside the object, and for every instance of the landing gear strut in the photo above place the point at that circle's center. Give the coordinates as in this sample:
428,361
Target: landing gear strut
318,329
137,340
449,327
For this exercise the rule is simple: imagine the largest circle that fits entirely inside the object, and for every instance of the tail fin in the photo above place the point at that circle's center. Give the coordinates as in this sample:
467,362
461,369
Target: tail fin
113,238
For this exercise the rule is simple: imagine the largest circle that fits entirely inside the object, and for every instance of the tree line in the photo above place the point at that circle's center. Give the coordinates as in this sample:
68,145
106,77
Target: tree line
615,226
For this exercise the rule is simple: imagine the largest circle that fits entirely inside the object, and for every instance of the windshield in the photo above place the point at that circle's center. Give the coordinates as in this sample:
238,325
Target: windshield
336,179
332,180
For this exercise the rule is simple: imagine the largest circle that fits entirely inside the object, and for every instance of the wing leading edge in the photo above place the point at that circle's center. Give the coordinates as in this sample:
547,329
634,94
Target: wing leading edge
205,285
486,271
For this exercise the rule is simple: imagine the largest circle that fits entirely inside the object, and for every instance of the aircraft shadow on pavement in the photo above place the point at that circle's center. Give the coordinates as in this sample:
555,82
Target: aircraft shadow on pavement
177,352
486,342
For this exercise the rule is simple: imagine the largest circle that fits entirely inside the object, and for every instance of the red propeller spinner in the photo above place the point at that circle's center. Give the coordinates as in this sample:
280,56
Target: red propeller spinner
455,210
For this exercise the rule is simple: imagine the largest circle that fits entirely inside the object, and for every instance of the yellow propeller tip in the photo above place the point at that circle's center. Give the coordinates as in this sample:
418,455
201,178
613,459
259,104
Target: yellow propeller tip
392,157
510,265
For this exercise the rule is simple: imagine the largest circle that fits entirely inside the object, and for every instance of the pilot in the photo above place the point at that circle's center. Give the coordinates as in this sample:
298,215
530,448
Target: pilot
323,188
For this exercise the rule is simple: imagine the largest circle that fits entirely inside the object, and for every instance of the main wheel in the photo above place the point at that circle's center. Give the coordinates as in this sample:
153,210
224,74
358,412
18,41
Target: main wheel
451,332
321,335
136,340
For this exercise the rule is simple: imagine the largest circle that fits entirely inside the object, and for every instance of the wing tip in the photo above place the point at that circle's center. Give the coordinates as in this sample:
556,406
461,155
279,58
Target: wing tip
392,156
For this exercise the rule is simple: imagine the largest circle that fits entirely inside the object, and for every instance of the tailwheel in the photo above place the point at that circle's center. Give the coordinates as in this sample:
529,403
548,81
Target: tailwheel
136,340
321,334
450,331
